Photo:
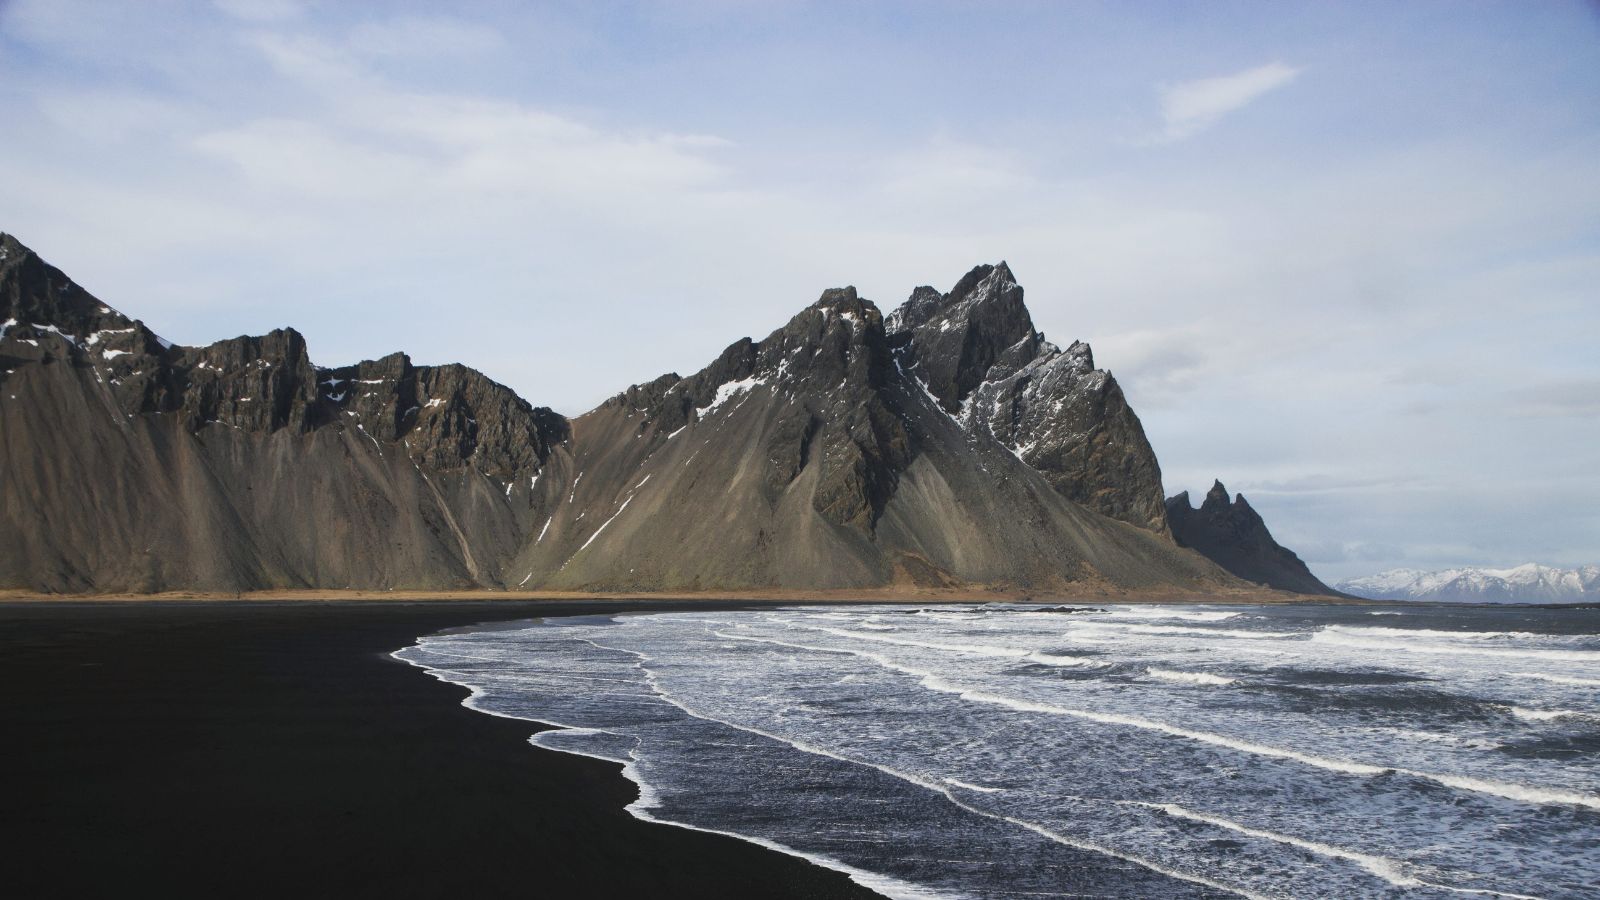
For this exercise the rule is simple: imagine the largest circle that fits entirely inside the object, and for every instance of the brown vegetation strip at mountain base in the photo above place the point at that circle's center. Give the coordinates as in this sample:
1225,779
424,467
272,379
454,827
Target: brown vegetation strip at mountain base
254,749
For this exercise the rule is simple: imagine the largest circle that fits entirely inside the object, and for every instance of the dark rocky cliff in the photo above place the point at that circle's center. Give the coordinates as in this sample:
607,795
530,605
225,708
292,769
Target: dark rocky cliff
977,351
1233,535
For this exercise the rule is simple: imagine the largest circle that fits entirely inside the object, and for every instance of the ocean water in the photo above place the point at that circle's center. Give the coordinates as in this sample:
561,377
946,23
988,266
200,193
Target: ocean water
1127,751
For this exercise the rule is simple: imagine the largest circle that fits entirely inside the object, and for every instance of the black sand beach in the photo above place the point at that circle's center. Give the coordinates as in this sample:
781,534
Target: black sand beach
227,749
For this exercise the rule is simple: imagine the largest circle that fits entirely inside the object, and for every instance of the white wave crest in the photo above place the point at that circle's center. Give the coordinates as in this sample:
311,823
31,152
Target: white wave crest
954,616
1383,631
1189,631
1387,869
1189,677
1055,659
934,682
1519,792
973,787
970,649
1545,715
1356,641
1161,612
1432,737
1558,679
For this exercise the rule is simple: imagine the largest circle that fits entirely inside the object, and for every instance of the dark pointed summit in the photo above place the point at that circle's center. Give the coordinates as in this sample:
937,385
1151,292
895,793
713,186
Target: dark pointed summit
1216,498
976,351
12,250
34,293
955,339
1234,536
840,296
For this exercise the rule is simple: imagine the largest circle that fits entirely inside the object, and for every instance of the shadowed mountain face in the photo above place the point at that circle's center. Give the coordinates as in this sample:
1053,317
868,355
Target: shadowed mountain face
949,446
1233,535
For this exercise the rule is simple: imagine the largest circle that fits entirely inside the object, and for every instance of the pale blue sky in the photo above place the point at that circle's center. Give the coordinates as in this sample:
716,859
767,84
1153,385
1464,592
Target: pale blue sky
1342,256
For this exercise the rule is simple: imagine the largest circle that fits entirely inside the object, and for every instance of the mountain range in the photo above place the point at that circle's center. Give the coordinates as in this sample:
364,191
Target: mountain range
1528,583
945,446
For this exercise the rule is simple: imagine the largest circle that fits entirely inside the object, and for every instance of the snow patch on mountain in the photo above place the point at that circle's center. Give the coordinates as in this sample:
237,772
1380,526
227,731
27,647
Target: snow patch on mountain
728,391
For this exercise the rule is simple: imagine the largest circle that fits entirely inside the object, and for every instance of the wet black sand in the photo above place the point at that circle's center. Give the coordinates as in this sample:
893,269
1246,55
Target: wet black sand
222,749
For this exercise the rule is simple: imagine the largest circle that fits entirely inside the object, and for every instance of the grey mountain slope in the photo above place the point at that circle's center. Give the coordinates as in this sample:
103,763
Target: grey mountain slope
1232,534
811,459
976,349
132,465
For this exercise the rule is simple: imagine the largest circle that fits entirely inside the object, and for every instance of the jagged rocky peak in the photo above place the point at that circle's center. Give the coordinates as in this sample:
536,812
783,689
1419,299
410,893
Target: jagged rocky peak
446,417
836,342
1218,505
45,314
1217,497
258,383
1233,535
954,340
976,350
809,391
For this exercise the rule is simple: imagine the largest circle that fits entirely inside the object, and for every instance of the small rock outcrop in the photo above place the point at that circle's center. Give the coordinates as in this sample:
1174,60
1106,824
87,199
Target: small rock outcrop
1234,536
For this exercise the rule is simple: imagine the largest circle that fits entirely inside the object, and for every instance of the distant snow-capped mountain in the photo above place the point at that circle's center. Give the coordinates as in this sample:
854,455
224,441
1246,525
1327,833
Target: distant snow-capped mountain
1529,583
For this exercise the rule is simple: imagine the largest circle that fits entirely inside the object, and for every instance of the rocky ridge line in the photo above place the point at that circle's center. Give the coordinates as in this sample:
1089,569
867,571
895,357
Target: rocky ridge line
1233,535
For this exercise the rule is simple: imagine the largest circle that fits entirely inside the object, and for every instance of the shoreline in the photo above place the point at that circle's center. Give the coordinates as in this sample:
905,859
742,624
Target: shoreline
876,595
278,748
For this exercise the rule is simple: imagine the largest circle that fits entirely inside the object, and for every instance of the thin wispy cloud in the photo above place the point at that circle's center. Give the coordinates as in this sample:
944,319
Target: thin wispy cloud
1567,398
1190,107
260,10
